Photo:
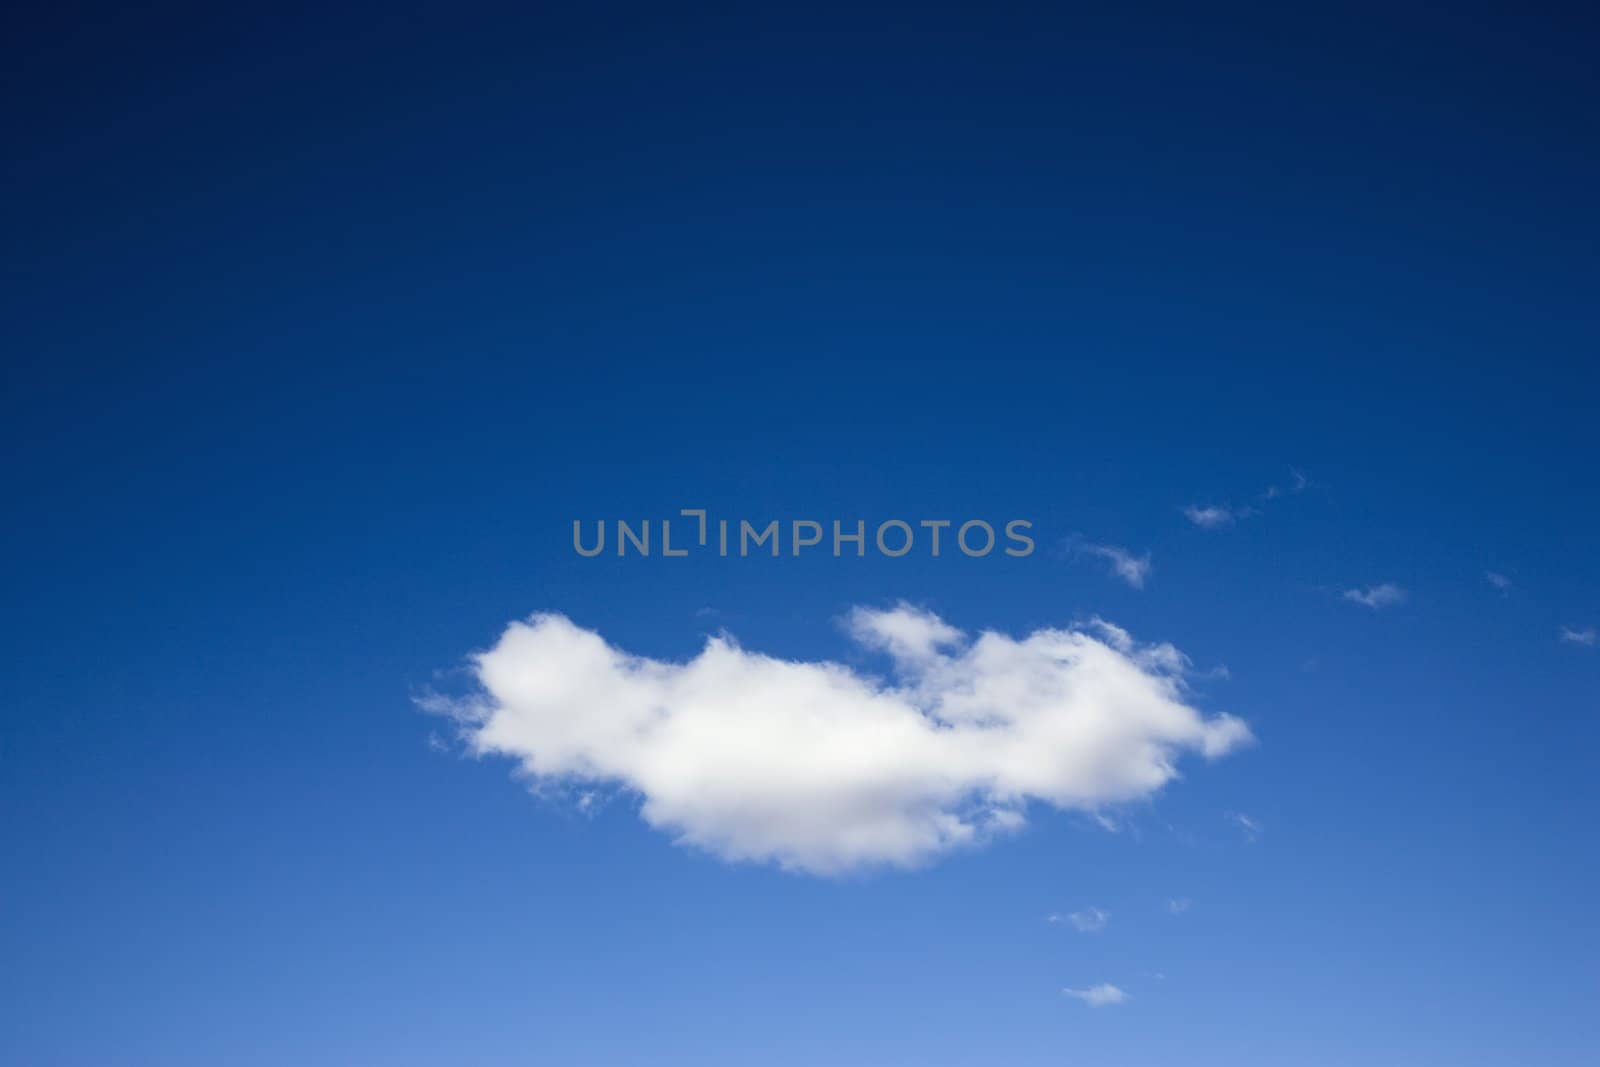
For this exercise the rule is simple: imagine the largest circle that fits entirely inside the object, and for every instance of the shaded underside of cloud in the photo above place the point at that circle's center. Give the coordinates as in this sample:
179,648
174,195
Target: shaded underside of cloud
818,767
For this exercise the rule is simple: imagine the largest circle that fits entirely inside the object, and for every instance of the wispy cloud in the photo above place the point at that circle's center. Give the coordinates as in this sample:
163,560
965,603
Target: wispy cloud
1498,580
1377,597
1252,828
1297,484
818,767
1588,636
1179,905
1098,996
1213,516
1087,921
1134,570
1218,516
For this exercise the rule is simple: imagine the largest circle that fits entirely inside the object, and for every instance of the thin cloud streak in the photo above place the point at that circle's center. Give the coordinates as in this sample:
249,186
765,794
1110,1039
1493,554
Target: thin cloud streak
1135,570
1377,597
1252,828
1087,921
1220,516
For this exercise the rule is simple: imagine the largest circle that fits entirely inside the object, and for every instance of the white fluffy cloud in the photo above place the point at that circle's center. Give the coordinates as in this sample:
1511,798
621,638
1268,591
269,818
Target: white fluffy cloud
819,767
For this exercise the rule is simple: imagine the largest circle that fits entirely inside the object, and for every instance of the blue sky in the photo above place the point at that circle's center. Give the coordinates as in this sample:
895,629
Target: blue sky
321,329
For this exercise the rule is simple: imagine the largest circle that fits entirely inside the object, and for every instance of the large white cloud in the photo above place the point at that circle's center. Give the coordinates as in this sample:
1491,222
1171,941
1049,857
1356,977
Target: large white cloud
822,768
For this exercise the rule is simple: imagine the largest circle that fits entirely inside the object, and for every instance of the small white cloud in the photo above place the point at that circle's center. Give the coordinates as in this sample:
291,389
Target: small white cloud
1588,636
1211,516
1087,921
1377,597
1179,905
1498,580
1098,996
816,766
1134,570
905,633
1250,826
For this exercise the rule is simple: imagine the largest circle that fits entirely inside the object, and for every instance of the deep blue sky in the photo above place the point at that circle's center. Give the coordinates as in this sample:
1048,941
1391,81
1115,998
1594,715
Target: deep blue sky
320,329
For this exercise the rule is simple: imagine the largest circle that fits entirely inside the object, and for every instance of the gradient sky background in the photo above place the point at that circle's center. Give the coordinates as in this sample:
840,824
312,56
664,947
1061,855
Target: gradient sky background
320,329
